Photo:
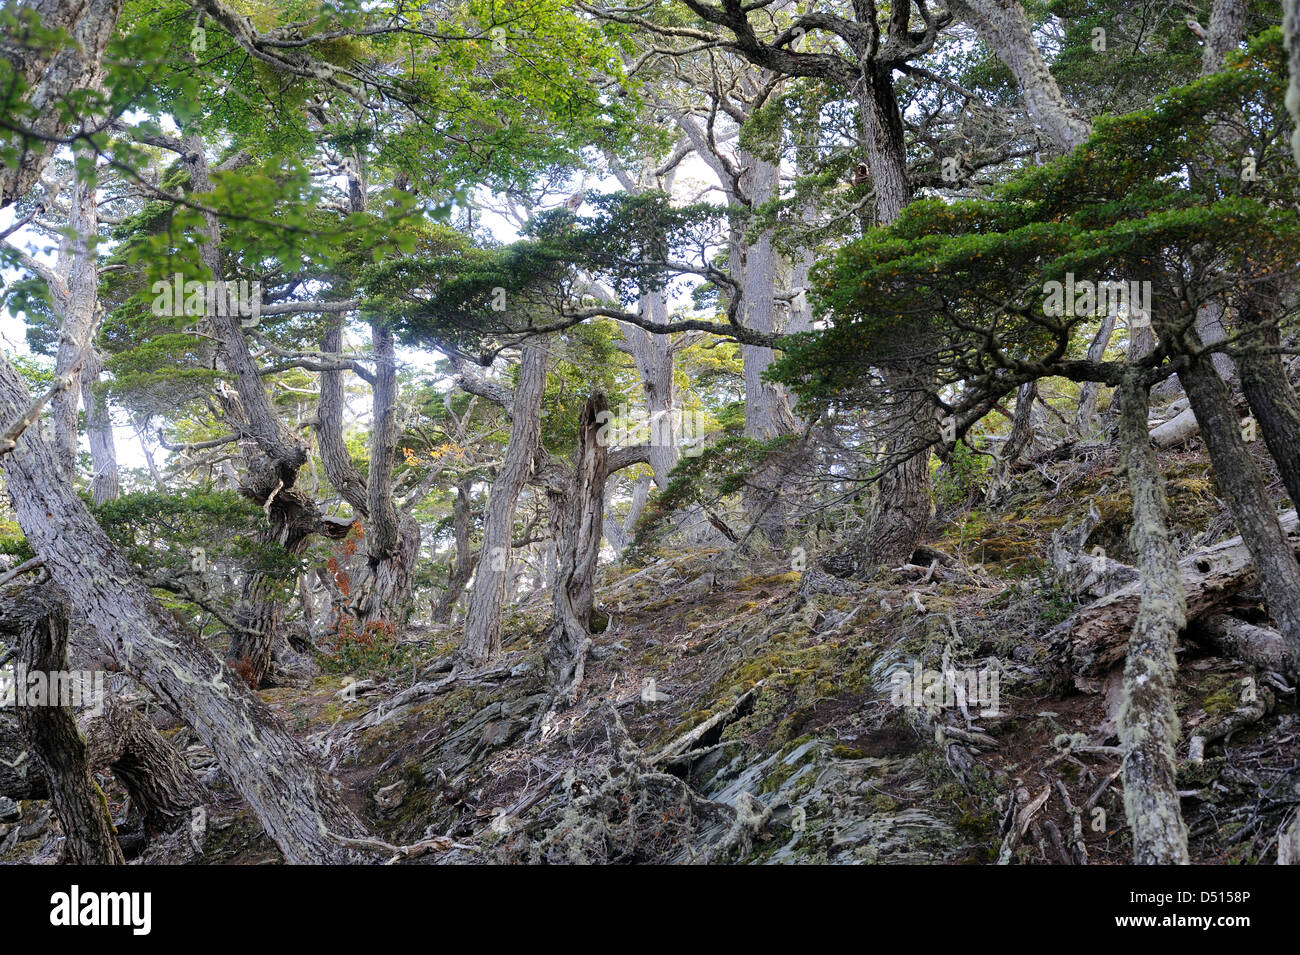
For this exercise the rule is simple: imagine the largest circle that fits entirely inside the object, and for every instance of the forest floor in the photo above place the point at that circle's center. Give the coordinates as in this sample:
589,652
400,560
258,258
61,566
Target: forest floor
742,711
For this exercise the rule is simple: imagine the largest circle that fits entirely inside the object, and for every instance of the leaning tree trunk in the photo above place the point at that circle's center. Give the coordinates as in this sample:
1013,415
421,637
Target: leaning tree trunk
56,743
1148,720
1269,392
1243,488
1005,29
295,802
483,620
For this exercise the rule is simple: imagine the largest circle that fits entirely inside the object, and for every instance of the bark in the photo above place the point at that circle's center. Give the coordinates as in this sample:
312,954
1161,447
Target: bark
57,746
653,356
342,472
384,593
118,740
1273,400
1242,486
1088,391
576,515
1291,37
105,485
1261,647
1148,720
901,512
1223,34
1005,29
160,783
296,804
75,67
1022,430
767,412
80,318
466,555
1098,633
482,638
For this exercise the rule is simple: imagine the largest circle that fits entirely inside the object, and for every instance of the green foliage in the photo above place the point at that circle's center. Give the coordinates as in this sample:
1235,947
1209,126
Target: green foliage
1155,195
159,532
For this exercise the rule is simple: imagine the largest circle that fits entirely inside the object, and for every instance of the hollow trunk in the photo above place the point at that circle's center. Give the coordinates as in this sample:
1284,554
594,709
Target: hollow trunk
483,620
1148,721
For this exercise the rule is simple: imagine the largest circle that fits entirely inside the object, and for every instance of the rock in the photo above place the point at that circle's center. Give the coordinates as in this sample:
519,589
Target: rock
10,811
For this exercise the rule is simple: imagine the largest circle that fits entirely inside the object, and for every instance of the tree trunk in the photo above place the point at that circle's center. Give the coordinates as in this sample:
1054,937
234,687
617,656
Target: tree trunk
901,512
105,485
79,316
384,592
1269,392
576,512
482,638
1088,392
1222,34
299,808
56,743
1005,30
1148,720
160,783
466,555
1291,36
1242,486
767,412
54,82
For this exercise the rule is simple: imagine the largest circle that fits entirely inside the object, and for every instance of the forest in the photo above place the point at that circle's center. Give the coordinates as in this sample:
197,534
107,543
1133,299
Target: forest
649,432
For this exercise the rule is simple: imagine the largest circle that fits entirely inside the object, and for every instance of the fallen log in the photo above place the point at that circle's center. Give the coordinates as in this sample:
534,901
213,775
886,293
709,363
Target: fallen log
1261,647
1096,636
